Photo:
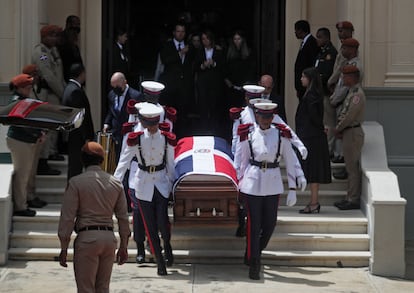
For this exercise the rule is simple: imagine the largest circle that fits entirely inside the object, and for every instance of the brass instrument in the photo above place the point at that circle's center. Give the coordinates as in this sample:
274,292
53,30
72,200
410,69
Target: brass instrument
106,141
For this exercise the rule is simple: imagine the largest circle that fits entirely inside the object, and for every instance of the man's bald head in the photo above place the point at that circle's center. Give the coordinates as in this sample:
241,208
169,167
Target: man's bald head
266,81
118,80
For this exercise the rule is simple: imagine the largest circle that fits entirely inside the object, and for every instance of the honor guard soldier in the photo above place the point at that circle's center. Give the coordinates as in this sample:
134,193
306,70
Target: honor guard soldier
154,150
260,181
89,203
152,91
349,127
247,116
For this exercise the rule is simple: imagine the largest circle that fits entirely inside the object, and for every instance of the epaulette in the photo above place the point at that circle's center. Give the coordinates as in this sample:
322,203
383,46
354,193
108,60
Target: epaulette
133,138
164,126
284,131
243,130
171,113
171,138
128,127
131,107
235,113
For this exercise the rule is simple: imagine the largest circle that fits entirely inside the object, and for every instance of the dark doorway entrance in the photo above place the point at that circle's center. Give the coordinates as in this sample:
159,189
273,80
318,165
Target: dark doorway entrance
150,23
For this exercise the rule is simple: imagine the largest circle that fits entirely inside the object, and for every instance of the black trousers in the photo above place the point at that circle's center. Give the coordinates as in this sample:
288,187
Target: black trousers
261,222
155,218
138,224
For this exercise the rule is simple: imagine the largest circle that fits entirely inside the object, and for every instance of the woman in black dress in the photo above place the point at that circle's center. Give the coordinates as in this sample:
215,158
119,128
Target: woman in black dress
310,129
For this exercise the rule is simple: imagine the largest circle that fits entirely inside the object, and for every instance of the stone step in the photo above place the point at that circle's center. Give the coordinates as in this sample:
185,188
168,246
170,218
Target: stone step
45,182
54,195
330,220
219,241
296,258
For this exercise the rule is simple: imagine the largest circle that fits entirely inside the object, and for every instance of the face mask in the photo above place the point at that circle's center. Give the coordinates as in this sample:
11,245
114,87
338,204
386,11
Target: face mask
153,99
118,91
76,29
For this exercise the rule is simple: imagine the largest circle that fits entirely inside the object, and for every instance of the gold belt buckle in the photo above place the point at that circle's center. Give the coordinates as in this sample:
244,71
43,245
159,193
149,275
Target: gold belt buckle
151,169
264,166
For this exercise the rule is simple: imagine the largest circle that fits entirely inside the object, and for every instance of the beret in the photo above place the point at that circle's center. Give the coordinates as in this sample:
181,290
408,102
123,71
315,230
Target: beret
347,69
29,69
22,80
94,149
350,42
345,25
49,29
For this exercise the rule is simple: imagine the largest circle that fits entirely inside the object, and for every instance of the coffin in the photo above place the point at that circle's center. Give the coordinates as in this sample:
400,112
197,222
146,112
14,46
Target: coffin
206,187
34,113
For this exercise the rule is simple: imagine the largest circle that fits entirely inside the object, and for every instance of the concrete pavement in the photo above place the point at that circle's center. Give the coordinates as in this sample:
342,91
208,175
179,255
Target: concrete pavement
45,277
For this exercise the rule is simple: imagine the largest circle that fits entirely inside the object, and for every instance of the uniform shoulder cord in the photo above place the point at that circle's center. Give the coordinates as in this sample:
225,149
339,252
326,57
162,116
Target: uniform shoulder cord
140,152
142,157
278,148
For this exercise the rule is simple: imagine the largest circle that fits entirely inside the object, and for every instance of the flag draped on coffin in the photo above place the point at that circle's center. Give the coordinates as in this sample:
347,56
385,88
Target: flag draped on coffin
206,155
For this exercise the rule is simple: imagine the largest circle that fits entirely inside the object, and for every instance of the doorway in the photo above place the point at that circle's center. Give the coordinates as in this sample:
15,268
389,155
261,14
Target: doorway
150,23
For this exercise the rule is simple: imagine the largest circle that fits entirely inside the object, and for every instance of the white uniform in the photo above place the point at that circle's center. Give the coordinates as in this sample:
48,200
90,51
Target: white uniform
153,147
247,116
252,179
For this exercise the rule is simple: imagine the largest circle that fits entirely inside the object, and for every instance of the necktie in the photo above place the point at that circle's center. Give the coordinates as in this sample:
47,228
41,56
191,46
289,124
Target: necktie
181,56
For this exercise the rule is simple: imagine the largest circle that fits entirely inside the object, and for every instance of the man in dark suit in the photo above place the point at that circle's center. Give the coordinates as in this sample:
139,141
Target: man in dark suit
117,114
74,96
177,58
120,55
68,45
307,53
266,81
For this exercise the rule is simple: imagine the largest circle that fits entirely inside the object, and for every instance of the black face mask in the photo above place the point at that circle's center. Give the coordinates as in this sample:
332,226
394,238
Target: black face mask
153,99
76,29
118,91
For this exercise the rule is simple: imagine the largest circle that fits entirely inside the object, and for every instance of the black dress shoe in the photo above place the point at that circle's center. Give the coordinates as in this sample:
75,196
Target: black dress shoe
340,202
140,259
349,206
161,269
341,175
169,258
254,270
25,213
338,159
36,203
140,253
56,157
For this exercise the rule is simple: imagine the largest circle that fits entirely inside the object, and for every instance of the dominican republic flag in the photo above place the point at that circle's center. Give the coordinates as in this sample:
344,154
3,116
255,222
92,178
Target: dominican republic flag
204,155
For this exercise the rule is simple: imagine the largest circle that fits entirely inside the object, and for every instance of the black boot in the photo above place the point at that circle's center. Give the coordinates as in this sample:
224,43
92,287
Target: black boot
140,253
254,271
161,269
169,258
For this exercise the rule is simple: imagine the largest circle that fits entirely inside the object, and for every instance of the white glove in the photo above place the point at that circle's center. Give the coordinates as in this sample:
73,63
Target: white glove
303,152
301,182
291,198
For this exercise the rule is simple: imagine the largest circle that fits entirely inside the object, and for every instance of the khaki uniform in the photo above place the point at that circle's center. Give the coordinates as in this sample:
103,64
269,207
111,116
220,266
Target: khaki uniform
90,200
50,69
349,123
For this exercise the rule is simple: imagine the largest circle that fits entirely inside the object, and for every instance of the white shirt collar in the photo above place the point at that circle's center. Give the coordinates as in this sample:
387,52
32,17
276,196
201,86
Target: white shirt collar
75,82
305,39
177,42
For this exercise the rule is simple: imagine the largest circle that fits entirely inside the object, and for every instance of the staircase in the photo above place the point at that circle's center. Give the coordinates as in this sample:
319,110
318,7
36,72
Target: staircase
331,238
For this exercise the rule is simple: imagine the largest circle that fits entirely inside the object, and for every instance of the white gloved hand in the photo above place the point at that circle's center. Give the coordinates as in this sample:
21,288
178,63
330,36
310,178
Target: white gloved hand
301,182
303,152
291,198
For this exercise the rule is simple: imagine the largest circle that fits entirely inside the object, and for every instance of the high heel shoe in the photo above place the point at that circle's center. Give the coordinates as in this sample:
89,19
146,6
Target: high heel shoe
309,210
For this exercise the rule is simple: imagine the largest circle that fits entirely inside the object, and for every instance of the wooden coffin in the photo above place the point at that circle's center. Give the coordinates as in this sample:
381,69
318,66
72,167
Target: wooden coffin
206,186
208,199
